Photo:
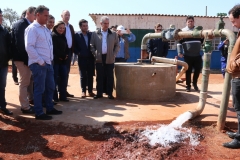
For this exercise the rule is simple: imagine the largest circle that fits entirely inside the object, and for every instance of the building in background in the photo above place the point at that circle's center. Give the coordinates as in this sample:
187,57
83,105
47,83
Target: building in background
141,24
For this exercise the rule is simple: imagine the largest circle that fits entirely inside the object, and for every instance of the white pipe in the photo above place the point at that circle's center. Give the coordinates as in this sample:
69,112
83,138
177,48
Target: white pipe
172,61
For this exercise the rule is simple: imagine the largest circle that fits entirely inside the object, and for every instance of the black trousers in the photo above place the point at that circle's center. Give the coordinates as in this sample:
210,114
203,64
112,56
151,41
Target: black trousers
104,76
86,68
193,63
236,102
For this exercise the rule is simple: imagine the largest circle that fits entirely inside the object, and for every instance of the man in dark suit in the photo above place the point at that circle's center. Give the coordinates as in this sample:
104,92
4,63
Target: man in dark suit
20,58
69,33
85,57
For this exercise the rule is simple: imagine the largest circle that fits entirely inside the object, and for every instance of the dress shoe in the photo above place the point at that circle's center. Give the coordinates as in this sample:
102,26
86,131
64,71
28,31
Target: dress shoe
54,112
91,94
16,83
231,134
110,97
195,87
83,95
234,144
43,117
64,100
97,96
6,111
28,111
69,95
55,100
188,89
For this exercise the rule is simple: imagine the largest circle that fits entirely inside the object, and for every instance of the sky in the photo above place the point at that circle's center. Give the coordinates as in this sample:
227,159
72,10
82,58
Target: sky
80,9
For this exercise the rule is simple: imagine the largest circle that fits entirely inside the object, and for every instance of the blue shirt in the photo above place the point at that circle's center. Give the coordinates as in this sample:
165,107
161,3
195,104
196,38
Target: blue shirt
120,53
86,38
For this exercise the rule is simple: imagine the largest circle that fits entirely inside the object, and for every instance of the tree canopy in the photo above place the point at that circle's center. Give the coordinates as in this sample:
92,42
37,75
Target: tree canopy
10,16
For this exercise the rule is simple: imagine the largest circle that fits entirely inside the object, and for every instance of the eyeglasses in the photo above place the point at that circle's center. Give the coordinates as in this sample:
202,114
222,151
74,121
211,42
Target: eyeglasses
159,29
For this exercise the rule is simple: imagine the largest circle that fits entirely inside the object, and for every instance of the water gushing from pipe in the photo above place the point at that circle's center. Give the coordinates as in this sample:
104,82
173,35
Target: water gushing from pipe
166,135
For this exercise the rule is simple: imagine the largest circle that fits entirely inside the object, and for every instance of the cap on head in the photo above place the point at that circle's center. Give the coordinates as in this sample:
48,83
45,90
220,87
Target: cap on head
120,27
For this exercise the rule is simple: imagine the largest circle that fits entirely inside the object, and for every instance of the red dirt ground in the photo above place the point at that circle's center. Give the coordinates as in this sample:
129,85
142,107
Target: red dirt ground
21,139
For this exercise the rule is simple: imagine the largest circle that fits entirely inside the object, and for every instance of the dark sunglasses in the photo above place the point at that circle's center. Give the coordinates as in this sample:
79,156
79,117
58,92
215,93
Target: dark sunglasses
159,29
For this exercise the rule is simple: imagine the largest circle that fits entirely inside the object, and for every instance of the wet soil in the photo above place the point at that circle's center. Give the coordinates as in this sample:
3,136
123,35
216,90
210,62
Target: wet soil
21,139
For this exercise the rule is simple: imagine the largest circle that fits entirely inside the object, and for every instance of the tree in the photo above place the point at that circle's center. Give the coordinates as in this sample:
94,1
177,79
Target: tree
10,16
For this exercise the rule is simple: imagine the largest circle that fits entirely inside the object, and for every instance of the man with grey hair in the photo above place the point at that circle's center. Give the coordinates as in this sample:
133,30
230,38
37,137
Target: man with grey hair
69,33
104,46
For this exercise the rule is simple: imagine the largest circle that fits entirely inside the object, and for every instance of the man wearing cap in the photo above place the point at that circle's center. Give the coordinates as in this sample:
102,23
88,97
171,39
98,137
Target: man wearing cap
104,46
123,53
156,47
5,42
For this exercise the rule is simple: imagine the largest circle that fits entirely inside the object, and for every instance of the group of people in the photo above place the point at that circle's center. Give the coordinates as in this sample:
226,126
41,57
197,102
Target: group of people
42,50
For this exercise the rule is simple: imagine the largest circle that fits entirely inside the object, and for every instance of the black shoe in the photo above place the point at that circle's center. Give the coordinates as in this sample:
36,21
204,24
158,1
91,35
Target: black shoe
54,112
43,117
234,144
110,97
64,100
69,95
188,89
6,111
16,83
97,96
56,100
195,87
231,134
28,111
55,103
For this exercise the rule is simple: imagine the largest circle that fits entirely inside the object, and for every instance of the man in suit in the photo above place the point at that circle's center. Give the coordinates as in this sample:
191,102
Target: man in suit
104,46
85,57
20,58
69,33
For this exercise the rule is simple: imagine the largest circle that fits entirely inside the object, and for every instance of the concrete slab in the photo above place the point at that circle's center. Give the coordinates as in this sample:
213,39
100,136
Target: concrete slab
89,111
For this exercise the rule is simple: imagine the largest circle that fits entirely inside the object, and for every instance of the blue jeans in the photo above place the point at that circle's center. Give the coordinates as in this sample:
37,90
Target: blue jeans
43,83
60,78
86,67
236,102
3,82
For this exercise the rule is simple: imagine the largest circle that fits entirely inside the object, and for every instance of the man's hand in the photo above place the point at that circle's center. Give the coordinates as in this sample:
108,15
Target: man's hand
180,55
66,57
128,31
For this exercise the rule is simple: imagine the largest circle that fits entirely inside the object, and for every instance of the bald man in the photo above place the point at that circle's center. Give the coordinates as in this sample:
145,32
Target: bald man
69,33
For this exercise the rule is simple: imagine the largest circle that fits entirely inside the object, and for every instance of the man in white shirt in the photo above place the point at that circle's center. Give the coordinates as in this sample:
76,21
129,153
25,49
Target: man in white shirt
69,33
38,43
